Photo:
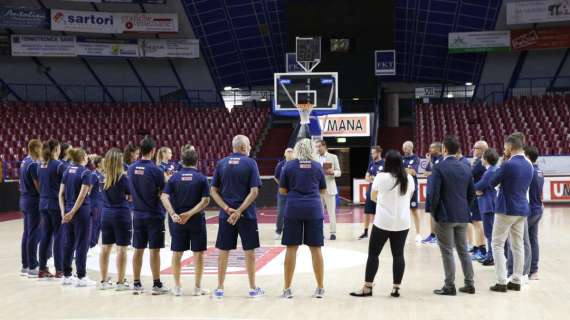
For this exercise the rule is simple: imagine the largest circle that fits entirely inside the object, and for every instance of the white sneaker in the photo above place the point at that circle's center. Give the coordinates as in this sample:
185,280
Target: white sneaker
277,236
138,290
123,286
85,282
67,281
418,238
256,292
524,279
287,293
319,293
200,292
24,272
177,291
105,285
33,273
157,291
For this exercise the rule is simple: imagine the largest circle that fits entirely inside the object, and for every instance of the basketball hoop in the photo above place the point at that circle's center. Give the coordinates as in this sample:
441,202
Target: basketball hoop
305,111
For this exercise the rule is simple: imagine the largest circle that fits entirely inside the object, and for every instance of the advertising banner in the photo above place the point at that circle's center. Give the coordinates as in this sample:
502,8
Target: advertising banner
170,48
345,125
24,18
536,39
538,11
84,21
106,48
385,62
485,41
43,46
148,22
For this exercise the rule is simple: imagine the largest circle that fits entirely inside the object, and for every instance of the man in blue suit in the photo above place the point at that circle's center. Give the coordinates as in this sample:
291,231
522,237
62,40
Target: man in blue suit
452,192
512,208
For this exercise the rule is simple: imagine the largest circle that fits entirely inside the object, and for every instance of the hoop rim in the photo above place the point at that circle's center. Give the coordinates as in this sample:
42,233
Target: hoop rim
305,106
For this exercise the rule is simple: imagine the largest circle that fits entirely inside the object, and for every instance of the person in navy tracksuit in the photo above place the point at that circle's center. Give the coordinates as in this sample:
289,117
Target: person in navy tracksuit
536,209
486,196
163,161
185,196
50,173
96,200
412,164
116,220
29,204
450,197
130,154
303,181
512,208
477,169
147,183
74,202
375,166
235,187
281,199
434,157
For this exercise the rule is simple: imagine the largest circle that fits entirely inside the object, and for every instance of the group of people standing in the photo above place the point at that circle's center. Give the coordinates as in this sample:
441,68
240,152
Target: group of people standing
459,196
68,198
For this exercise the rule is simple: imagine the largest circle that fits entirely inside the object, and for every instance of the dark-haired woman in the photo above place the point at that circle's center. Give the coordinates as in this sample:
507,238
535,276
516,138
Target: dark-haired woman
392,191
74,203
130,155
486,196
49,177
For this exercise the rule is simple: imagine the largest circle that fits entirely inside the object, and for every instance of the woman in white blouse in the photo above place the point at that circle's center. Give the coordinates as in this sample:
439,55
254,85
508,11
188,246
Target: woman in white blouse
392,191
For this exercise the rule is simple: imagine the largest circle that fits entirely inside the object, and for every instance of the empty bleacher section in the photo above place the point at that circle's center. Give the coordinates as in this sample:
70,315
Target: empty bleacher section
99,126
545,120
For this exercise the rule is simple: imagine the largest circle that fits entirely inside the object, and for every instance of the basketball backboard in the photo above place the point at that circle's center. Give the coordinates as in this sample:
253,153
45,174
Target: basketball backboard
317,88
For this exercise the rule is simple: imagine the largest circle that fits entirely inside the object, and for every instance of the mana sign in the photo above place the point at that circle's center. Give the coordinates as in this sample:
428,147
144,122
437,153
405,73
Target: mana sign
345,125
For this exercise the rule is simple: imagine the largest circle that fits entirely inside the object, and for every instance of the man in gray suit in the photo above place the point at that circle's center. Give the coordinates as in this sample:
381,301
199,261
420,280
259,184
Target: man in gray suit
331,168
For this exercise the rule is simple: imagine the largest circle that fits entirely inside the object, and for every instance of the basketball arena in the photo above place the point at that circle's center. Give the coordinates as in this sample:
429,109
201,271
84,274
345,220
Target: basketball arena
284,159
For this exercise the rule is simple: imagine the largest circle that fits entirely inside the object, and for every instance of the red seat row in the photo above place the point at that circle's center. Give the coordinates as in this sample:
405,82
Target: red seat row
545,120
100,126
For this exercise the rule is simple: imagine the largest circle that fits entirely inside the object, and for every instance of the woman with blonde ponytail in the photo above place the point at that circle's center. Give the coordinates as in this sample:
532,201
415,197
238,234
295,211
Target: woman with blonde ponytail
116,223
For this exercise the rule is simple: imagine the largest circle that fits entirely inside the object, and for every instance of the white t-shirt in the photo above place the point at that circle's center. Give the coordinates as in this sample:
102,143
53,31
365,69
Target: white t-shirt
392,208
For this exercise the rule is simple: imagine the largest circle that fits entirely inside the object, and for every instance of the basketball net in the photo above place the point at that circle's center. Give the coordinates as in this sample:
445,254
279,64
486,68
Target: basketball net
304,112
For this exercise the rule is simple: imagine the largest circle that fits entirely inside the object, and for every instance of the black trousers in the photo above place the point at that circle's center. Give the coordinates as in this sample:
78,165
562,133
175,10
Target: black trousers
378,239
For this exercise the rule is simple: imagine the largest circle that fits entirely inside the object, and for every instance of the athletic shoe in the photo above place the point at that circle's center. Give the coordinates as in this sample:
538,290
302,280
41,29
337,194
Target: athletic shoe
177,291
524,279
218,294
470,248
123,286
200,292
105,285
256,292
24,272
319,293
418,238
159,290
33,273
277,236
58,275
362,236
477,256
287,294
138,289
487,262
534,276
85,282
499,288
67,281
333,236
429,239
45,274
513,286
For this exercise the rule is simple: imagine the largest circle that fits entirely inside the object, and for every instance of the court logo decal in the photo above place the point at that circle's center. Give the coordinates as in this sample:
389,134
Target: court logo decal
236,261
